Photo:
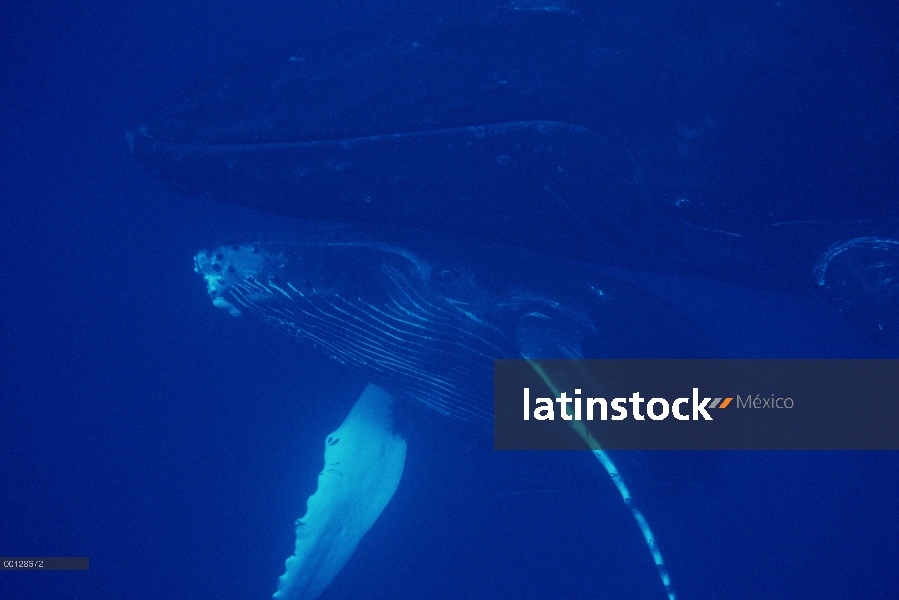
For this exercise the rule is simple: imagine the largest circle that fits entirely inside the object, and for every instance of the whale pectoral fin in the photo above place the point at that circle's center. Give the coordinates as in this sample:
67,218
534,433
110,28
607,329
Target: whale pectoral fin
606,461
364,462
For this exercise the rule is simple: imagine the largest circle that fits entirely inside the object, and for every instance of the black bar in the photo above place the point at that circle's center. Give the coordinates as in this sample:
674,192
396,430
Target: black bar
44,563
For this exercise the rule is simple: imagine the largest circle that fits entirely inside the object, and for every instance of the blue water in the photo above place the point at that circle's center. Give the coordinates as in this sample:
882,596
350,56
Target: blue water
175,445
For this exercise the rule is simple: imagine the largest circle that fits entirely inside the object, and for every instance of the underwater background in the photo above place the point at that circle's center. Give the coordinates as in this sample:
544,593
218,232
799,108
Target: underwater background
175,445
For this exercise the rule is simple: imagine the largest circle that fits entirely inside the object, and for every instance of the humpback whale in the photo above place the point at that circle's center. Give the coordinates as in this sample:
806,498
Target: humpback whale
558,127
425,327
422,317
528,124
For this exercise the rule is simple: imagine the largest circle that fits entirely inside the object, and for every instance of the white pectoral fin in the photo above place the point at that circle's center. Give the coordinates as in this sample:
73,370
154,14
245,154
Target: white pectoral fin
364,462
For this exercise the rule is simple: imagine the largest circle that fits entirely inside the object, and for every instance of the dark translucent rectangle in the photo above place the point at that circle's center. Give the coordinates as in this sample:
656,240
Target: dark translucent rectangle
44,563
698,404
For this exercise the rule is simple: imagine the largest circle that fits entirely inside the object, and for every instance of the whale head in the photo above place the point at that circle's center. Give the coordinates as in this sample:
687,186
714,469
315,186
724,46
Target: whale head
428,331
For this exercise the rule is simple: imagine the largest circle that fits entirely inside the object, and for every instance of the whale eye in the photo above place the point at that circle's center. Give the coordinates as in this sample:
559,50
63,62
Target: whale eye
231,269
216,267
446,275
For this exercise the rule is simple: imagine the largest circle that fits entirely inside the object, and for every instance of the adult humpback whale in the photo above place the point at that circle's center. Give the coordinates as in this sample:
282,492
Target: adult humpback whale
600,133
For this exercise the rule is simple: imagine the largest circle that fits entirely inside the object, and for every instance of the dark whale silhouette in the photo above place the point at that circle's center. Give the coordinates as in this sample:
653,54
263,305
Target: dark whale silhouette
596,133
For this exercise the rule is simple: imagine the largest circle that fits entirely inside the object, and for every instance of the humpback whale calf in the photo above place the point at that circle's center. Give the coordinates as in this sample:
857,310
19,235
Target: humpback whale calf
423,318
424,322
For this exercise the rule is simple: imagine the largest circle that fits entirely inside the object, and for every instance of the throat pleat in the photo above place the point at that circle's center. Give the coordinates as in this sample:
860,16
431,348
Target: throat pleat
429,351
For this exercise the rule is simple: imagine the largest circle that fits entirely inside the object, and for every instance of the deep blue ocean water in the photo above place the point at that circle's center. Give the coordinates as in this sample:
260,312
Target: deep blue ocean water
175,445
